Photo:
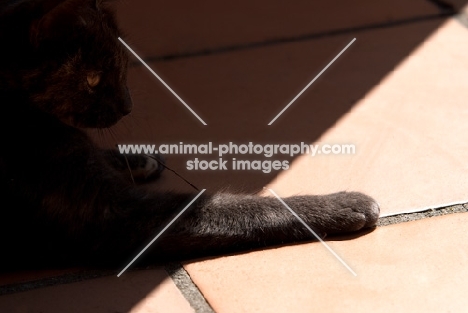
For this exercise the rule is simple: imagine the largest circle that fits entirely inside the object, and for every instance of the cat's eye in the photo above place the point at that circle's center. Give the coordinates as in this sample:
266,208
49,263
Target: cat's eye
93,79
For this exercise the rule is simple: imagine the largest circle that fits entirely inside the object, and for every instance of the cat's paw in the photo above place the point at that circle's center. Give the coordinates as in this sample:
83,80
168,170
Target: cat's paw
360,208
143,168
344,212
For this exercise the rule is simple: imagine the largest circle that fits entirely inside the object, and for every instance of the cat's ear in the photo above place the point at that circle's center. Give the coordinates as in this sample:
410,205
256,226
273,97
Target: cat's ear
57,21
47,26
99,4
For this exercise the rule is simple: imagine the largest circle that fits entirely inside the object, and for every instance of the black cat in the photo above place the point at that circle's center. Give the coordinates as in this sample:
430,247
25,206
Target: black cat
64,200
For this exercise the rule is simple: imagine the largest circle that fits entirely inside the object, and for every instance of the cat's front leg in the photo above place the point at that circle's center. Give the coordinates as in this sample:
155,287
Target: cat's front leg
225,223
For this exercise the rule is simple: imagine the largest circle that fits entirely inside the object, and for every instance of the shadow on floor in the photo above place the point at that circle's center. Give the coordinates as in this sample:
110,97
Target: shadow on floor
238,65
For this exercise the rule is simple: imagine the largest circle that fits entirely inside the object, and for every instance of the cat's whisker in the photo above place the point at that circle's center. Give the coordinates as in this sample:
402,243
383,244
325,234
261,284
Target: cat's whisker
129,169
125,124
111,132
103,139
98,136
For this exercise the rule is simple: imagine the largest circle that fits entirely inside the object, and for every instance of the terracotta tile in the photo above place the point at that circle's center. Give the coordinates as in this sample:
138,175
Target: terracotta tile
136,292
462,8
172,27
408,133
369,97
223,88
412,267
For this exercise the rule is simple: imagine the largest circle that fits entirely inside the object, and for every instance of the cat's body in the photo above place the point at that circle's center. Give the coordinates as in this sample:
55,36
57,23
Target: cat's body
64,200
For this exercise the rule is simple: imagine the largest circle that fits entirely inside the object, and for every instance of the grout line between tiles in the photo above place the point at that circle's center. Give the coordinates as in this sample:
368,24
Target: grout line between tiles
428,213
462,18
292,39
187,287
182,279
427,208
449,8
444,6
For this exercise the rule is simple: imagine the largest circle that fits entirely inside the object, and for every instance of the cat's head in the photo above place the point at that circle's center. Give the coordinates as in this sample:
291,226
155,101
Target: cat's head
81,65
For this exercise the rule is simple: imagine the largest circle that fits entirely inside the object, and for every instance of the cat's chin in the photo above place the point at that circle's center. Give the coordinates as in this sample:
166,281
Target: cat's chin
70,121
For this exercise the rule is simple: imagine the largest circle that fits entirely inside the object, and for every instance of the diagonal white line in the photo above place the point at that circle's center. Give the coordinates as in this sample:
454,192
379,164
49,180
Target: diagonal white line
161,232
313,80
313,233
162,81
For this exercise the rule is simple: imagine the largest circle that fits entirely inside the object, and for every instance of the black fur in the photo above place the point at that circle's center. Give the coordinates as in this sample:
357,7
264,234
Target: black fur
65,201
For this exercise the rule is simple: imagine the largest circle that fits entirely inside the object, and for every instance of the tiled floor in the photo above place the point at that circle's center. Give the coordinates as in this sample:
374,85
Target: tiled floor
415,267
397,94
411,156
136,292
167,28
408,132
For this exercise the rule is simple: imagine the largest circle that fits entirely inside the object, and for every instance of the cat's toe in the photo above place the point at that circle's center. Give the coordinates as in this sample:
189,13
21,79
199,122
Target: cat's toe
373,214
350,212
369,207
361,204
